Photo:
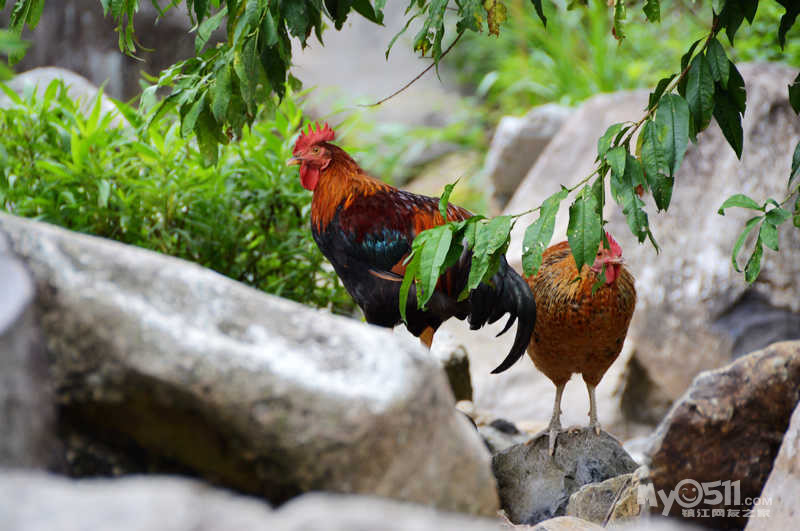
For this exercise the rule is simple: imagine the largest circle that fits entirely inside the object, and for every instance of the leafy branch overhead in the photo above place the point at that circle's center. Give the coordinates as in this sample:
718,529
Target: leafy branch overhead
644,156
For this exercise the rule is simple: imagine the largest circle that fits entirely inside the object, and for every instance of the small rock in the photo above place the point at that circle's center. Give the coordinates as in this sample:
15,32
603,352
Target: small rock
565,523
778,508
727,427
534,486
454,360
593,501
517,143
26,403
501,434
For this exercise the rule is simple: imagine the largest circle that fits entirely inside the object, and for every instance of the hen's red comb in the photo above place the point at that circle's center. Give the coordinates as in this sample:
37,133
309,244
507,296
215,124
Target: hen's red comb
311,137
613,245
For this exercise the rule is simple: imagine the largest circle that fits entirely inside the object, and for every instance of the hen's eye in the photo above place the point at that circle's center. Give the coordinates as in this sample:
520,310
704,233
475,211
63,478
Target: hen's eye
315,150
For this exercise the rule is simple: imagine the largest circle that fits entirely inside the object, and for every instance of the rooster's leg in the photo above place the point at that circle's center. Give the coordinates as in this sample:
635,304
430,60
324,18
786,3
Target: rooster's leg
593,423
555,421
426,337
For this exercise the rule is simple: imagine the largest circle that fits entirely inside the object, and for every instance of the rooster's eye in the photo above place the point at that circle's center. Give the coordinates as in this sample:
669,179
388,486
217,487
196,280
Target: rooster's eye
315,150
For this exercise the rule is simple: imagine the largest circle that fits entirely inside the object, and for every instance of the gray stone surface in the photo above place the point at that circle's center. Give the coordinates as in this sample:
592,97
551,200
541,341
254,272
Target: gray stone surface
534,486
688,293
501,434
454,360
593,502
728,426
782,490
251,391
26,407
517,143
40,502
563,523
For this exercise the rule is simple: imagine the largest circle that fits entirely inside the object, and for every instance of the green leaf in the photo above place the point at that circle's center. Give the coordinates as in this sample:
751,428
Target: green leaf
753,267
796,216
653,158
365,9
604,142
673,114
412,268
432,256
480,257
736,88
794,94
718,62
616,158
189,119
795,165
655,96
684,63
540,232
769,235
652,10
103,192
584,230
741,201
777,215
620,14
662,191
726,112
700,92
731,18
787,20
624,192
443,200
208,27
537,4
221,93
748,228
498,229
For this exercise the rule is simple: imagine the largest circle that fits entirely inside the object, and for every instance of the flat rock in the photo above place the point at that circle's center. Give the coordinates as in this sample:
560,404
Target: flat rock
778,508
172,364
563,523
26,407
593,502
694,312
727,427
534,486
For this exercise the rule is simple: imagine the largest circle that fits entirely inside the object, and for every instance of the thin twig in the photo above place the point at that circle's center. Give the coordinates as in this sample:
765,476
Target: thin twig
387,98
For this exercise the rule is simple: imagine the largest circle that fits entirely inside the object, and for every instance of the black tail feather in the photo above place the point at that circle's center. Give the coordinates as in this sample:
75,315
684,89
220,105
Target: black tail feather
508,294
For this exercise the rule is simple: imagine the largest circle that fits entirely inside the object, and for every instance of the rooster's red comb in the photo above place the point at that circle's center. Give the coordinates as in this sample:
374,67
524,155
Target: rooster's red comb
311,137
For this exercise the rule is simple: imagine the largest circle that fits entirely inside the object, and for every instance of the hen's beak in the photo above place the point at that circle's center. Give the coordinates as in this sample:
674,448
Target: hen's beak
294,161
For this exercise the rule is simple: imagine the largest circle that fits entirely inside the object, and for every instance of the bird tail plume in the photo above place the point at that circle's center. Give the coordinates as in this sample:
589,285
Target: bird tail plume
507,294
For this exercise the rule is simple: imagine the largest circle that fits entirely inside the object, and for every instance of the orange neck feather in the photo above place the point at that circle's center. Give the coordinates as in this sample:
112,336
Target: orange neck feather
339,184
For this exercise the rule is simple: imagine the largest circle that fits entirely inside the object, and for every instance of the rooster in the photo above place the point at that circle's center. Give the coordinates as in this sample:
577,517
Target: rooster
365,228
578,331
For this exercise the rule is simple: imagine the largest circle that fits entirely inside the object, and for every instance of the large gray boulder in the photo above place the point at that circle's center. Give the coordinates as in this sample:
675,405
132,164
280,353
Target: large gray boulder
26,405
173,363
694,312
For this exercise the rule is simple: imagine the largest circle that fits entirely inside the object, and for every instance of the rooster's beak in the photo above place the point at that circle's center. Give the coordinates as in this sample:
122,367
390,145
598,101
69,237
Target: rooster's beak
294,161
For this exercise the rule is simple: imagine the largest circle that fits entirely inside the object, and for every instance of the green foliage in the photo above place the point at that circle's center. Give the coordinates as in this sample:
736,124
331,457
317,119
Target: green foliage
10,45
573,58
707,85
246,217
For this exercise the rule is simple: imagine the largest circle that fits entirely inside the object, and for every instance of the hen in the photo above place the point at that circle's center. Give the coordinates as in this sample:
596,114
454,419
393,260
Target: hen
365,228
577,331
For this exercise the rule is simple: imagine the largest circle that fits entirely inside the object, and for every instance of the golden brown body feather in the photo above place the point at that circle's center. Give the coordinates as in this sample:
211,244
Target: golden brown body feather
577,332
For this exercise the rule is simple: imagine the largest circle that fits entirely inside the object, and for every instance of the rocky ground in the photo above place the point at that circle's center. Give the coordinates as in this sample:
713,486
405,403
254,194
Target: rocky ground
149,392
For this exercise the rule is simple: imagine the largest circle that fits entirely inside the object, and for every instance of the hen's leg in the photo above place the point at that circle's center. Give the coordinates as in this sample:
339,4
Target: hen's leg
426,337
593,409
555,421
